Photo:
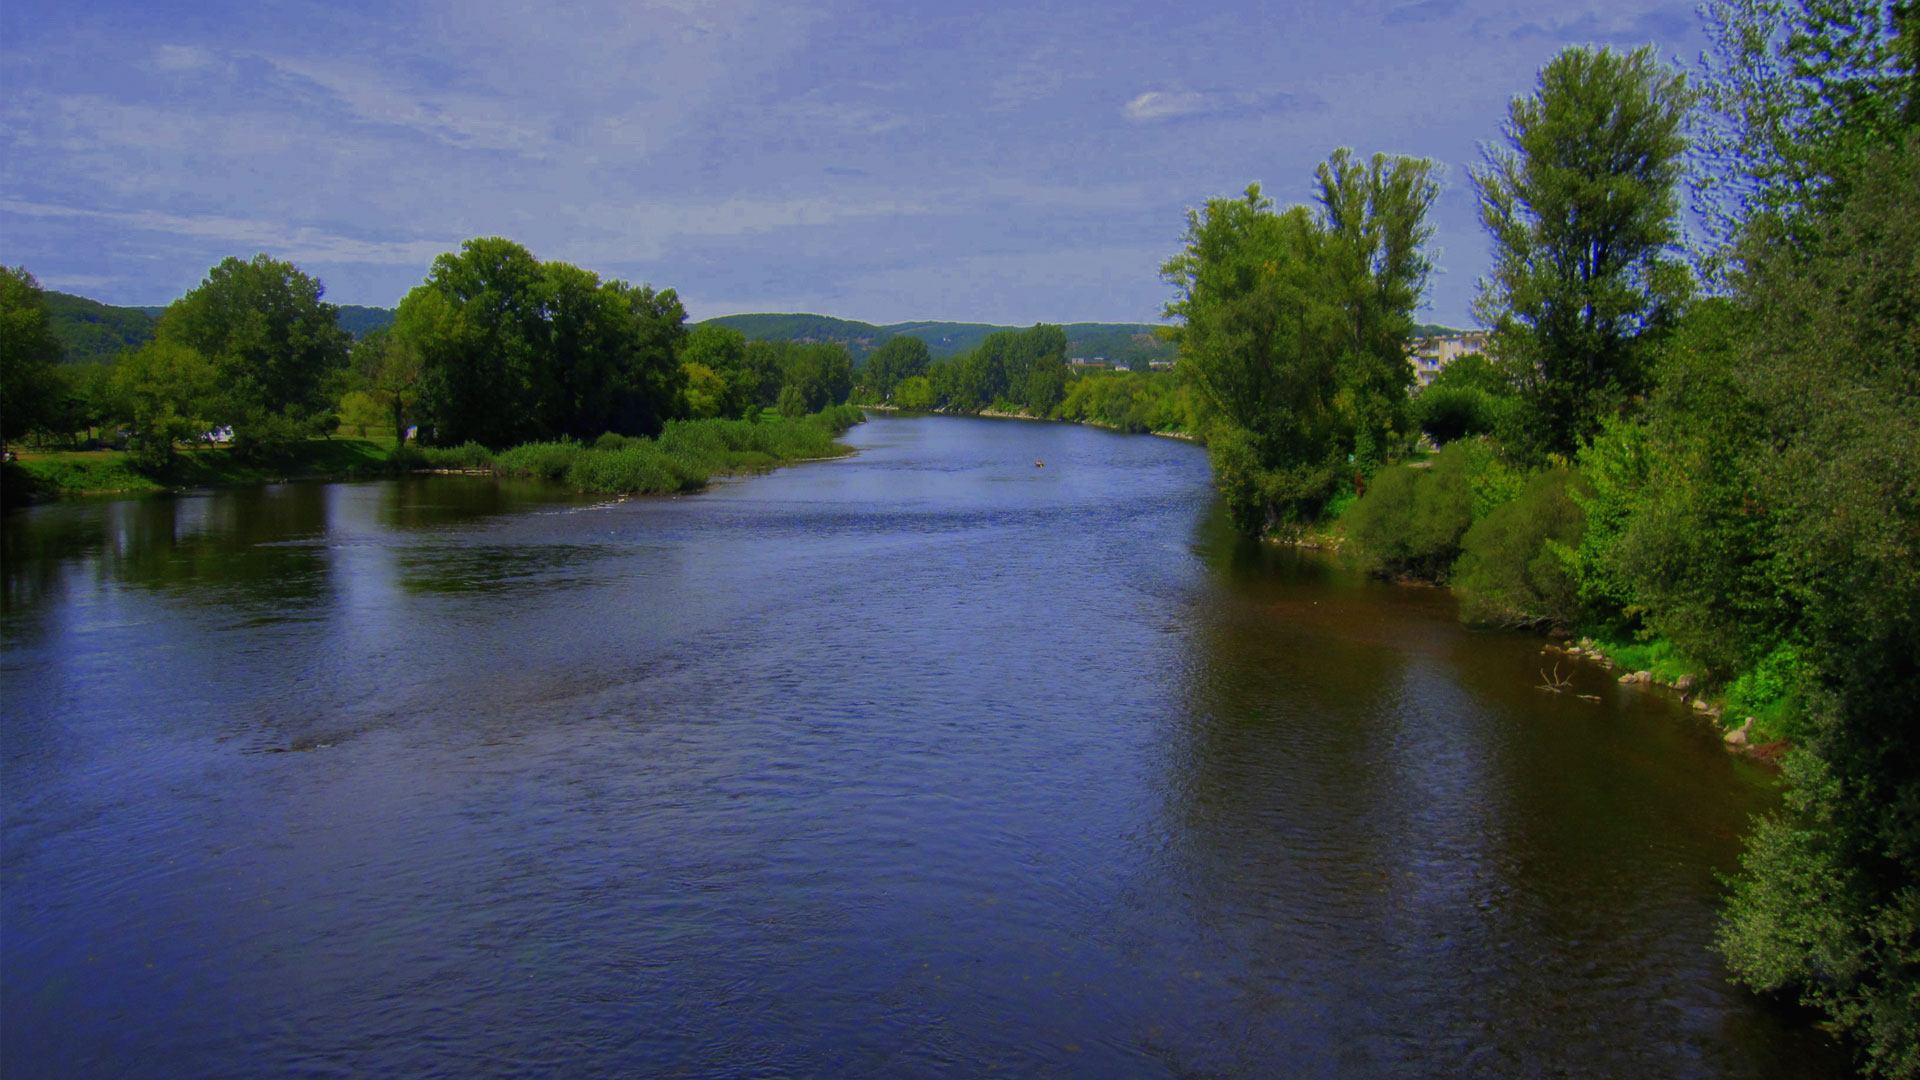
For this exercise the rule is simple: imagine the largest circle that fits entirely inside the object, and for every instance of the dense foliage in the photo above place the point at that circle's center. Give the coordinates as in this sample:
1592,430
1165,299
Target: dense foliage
1132,345
1293,330
93,332
1581,207
273,350
28,351
1724,486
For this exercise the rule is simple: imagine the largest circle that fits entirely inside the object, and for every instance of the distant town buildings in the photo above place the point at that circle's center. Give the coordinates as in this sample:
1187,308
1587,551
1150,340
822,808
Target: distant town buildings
1430,354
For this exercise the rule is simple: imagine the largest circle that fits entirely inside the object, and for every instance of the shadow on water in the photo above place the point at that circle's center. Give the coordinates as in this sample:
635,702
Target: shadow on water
927,761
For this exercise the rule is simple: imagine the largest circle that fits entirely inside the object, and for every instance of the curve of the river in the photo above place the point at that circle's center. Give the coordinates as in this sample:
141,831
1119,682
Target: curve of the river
930,761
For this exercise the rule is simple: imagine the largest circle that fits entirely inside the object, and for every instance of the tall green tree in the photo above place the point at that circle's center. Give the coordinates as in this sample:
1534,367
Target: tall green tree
167,391
512,349
387,369
1375,214
719,379
1254,314
1293,329
477,325
902,356
1581,205
28,351
821,372
276,348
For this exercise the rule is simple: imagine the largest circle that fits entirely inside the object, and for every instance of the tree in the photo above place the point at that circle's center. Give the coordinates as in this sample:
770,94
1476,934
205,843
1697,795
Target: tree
275,348
1375,214
1581,206
512,350
386,368
28,351
1797,95
822,373
1829,905
168,390
1254,315
902,356
719,379
476,324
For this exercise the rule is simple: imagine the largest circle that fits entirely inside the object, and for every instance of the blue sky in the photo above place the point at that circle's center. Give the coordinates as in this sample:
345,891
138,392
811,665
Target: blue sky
978,162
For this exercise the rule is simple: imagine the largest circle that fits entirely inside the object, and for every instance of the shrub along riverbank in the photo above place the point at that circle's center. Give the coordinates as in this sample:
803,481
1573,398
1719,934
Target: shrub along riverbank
686,456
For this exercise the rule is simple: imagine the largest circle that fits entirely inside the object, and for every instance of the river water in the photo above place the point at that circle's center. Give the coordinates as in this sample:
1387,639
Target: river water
929,761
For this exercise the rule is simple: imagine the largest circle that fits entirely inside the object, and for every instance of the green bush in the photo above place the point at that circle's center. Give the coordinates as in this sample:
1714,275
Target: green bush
546,460
468,455
1772,692
403,458
1656,654
1513,562
642,469
792,403
1411,519
1447,413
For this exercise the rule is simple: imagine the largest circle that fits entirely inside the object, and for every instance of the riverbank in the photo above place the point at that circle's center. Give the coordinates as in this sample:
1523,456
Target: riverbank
686,457
1748,718
38,475
997,414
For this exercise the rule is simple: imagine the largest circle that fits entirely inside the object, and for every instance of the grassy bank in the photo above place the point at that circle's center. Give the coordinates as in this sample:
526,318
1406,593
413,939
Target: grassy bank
52,473
686,456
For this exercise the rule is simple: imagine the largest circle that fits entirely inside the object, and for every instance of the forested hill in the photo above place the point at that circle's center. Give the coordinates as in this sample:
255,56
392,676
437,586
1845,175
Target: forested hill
93,332
1122,342
361,321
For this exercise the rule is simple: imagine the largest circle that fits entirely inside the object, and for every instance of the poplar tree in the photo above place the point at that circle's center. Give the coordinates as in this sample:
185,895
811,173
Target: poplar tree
1582,207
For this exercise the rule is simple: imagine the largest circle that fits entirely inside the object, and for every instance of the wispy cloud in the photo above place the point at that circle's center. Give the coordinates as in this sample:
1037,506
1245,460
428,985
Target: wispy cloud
1183,104
1425,11
181,58
463,120
1668,23
297,243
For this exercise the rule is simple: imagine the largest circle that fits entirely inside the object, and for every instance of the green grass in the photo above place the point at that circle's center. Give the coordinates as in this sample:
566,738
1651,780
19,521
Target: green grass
686,456
1657,655
86,472
100,472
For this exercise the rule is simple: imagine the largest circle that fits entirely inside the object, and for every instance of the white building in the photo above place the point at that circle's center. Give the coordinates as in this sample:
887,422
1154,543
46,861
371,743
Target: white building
1430,354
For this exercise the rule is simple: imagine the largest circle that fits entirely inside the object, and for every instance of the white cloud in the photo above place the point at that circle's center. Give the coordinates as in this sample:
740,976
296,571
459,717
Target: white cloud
1174,104
181,58
465,120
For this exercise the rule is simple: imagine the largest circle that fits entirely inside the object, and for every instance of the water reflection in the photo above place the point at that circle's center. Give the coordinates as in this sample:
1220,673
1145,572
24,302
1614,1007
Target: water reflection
923,761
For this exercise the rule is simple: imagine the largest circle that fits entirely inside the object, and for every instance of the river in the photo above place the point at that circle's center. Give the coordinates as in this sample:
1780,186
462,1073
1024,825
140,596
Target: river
930,761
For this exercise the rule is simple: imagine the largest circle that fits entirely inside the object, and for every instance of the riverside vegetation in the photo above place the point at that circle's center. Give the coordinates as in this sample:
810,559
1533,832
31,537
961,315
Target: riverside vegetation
1702,453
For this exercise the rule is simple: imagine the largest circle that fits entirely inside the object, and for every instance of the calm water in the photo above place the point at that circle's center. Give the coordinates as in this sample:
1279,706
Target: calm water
924,762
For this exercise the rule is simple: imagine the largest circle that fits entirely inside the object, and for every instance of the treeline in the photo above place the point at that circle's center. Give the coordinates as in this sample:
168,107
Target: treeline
1704,454
1129,345
1021,372
494,348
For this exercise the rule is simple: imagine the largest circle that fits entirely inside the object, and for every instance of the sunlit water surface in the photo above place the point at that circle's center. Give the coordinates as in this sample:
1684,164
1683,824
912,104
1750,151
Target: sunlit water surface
931,761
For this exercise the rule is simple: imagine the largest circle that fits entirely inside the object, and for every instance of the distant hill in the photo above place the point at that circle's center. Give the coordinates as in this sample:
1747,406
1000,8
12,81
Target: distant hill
1121,342
361,321
92,331
1435,330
